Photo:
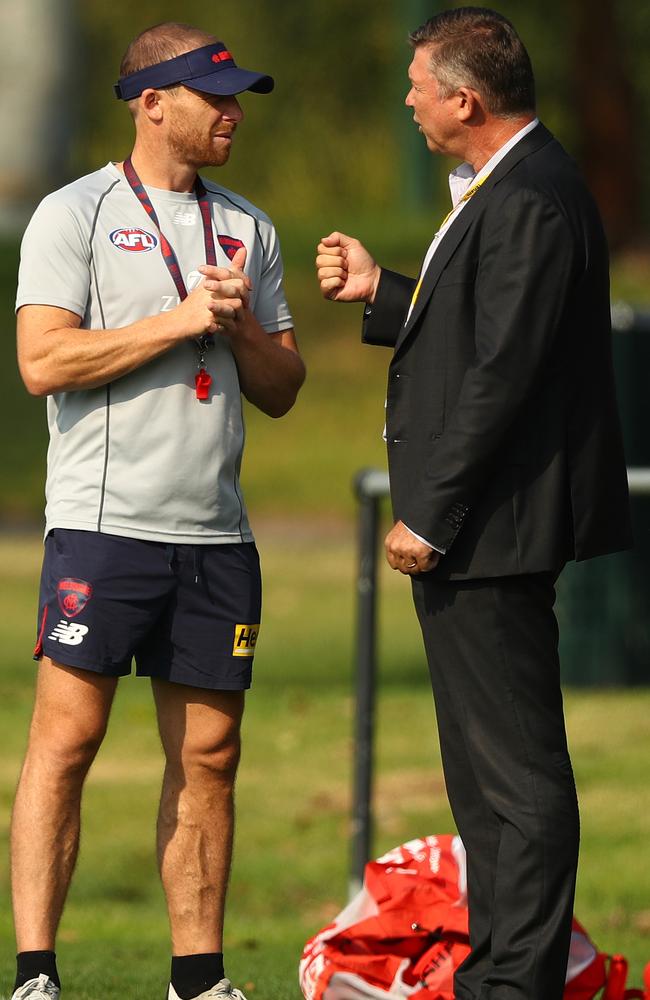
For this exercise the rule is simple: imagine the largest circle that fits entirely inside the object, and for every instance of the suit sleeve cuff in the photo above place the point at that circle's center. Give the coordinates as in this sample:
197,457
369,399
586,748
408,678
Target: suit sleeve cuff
436,548
384,318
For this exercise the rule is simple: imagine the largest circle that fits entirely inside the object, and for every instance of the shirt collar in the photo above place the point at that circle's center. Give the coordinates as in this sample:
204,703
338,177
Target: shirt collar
461,179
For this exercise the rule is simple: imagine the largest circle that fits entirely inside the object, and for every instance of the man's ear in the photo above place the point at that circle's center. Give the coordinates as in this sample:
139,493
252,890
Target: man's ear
150,104
469,104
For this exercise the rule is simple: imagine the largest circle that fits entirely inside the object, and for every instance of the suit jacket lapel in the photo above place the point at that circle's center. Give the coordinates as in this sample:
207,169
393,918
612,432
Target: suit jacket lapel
529,144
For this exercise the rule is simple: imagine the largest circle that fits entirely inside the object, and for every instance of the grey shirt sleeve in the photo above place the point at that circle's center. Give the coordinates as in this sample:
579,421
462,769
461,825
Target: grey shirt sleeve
54,259
271,308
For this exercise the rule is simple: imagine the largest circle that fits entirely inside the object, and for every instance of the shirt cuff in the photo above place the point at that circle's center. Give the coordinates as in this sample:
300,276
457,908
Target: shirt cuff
435,548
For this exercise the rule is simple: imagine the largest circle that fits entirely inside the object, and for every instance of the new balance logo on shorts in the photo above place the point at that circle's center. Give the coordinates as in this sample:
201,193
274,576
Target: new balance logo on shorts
245,639
70,633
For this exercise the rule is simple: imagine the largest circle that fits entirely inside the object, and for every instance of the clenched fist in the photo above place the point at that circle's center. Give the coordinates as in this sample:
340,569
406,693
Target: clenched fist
346,271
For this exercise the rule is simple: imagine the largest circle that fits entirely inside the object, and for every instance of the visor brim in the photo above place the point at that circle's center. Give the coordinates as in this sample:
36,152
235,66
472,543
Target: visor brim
231,81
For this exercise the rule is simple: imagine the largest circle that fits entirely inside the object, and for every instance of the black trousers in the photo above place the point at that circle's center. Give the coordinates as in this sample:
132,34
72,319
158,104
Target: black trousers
493,658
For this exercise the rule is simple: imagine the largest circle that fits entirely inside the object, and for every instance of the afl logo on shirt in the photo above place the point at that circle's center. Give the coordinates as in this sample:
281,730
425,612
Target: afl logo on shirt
134,240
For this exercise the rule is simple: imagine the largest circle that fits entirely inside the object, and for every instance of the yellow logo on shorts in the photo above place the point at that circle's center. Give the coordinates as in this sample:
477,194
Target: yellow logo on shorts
245,640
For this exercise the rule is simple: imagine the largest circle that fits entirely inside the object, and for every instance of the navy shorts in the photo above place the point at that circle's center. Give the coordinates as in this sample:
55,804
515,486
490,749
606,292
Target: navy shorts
187,613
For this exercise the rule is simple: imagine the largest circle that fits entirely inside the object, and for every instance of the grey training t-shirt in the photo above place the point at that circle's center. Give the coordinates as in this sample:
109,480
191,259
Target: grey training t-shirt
143,457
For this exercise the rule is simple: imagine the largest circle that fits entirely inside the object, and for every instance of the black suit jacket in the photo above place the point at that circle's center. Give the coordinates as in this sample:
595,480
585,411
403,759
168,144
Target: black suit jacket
504,442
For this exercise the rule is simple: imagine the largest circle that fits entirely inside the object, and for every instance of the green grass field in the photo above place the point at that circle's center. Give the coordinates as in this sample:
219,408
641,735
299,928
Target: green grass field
291,862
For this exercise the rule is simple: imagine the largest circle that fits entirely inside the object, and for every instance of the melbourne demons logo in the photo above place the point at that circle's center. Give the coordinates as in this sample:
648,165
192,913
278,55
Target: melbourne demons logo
230,245
73,596
133,240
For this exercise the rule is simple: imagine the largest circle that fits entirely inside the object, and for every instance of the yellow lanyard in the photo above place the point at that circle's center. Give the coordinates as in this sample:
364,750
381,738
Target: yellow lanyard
468,194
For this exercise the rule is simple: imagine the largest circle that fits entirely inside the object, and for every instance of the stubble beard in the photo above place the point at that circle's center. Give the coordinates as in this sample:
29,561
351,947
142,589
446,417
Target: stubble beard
193,147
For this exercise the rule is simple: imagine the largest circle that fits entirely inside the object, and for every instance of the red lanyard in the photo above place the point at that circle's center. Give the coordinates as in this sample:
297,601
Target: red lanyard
202,379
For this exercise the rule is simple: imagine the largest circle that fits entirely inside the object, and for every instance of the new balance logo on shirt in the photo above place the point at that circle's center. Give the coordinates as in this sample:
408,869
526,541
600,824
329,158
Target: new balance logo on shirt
70,633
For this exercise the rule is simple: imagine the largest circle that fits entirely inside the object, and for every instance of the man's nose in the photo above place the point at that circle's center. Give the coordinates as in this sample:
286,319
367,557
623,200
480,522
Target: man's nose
233,110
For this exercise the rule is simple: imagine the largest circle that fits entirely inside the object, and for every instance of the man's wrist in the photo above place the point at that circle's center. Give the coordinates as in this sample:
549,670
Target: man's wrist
375,285
425,541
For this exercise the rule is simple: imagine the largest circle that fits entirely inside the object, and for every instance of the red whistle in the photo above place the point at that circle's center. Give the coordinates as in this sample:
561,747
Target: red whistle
616,978
202,381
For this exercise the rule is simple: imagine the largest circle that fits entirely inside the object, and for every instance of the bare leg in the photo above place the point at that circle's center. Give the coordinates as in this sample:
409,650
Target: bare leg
200,736
71,711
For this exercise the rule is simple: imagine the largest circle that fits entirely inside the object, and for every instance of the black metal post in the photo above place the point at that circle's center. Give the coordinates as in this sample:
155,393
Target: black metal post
370,486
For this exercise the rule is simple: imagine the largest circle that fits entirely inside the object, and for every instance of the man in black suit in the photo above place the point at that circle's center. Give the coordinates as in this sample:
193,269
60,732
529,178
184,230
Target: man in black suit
505,461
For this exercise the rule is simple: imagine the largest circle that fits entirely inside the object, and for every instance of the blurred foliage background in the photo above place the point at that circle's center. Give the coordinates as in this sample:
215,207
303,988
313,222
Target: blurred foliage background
335,137
333,147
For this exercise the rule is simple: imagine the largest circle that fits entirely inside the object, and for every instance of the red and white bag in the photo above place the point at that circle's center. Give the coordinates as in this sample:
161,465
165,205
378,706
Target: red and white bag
405,933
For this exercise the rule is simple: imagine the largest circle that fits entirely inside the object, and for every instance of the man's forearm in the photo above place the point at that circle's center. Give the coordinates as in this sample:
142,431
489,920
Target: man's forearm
270,368
56,355
70,358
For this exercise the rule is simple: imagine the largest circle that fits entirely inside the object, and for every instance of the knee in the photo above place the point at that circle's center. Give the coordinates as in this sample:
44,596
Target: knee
67,746
213,761
76,754
221,759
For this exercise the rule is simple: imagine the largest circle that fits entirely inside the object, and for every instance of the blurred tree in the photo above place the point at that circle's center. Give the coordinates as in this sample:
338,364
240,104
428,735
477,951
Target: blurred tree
334,139
417,171
607,118
321,138
593,81
36,132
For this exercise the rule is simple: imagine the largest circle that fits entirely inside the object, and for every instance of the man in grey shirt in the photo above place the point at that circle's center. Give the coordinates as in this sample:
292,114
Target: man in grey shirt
148,301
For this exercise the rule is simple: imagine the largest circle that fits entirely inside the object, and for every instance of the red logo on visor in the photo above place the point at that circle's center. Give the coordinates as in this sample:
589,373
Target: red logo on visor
221,56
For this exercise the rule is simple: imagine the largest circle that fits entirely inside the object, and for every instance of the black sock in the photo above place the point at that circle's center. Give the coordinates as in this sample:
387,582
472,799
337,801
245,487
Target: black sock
194,974
30,965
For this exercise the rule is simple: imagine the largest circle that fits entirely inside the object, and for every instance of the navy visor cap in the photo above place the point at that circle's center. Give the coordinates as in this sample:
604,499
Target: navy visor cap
210,70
